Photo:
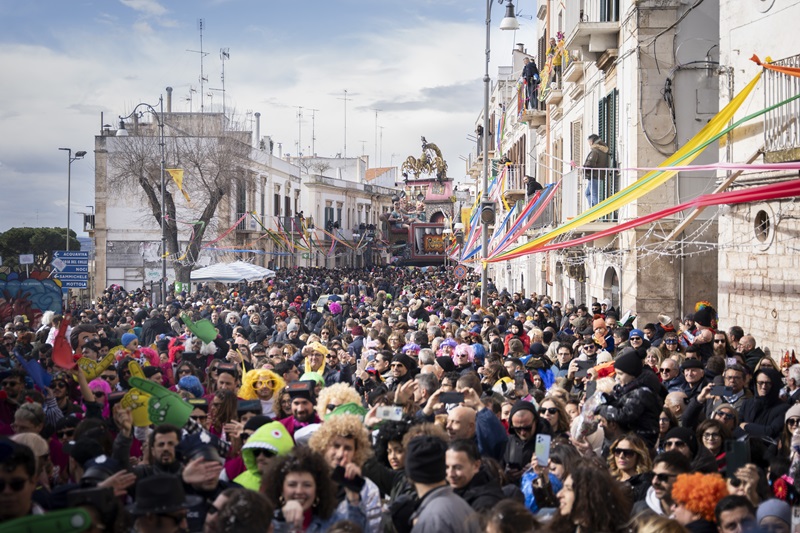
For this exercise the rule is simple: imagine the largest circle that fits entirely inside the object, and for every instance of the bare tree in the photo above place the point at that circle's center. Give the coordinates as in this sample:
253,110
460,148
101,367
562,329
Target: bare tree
211,159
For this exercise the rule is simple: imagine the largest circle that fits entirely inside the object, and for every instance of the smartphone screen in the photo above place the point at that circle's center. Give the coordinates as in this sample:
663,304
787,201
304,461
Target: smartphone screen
542,449
451,397
721,390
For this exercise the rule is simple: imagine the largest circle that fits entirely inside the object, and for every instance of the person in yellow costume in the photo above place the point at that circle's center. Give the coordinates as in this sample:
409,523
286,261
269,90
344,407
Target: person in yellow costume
556,54
262,385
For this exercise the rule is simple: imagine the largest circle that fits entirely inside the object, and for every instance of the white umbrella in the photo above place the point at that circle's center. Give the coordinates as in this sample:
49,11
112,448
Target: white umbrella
232,273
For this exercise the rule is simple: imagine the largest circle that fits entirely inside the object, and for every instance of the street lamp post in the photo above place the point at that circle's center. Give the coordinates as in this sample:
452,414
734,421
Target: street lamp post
509,22
121,132
78,155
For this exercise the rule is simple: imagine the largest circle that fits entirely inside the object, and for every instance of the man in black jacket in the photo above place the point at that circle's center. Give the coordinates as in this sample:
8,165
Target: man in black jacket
153,327
468,479
523,426
531,75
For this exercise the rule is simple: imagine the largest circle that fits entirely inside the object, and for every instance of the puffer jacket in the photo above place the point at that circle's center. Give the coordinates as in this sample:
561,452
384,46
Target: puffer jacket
635,407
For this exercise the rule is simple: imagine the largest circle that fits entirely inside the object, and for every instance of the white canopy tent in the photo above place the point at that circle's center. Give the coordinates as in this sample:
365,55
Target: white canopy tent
231,273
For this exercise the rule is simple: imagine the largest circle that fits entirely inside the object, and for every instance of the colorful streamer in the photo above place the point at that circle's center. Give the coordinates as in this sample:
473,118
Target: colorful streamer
712,131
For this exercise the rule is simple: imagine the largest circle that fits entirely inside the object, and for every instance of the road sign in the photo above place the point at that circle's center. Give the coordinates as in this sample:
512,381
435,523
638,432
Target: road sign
72,268
26,259
460,272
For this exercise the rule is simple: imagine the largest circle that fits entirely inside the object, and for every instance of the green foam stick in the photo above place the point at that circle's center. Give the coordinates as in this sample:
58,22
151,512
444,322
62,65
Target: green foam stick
164,406
64,521
203,329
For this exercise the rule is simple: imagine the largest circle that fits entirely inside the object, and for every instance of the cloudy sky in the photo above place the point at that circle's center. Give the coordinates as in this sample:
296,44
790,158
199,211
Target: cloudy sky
420,62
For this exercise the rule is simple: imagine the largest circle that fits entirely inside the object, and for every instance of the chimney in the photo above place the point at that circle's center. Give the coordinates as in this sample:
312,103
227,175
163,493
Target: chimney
169,99
521,47
258,129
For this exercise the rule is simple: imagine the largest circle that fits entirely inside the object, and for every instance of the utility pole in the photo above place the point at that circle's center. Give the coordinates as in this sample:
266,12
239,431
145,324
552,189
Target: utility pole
345,122
376,135
313,133
203,79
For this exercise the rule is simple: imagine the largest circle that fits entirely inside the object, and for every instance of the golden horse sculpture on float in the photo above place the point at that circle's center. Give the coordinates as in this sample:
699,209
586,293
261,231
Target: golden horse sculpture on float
430,162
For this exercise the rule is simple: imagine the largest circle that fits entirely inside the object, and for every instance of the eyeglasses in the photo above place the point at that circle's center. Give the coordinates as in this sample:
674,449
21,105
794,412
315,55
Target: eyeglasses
665,370
764,384
109,377
671,341
287,353
634,338
64,433
664,478
792,422
330,356
719,341
589,346
10,383
723,415
199,417
185,372
60,385
675,444
16,484
712,436
521,428
624,452
263,451
548,410
324,333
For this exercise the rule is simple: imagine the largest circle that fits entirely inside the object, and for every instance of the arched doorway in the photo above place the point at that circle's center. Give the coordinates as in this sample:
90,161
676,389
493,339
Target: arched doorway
611,287
437,217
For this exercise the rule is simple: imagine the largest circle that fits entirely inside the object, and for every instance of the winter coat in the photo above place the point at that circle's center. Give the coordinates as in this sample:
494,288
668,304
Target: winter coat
764,415
491,435
636,408
597,159
443,511
482,492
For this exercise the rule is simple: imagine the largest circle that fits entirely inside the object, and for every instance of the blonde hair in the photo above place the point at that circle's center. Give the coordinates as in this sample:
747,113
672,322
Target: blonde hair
651,523
643,462
346,426
341,393
248,392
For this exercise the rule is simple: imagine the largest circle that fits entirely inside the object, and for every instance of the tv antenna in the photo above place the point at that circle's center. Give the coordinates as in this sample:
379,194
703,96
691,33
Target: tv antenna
189,98
299,130
375,161
345,121
313,136
203,79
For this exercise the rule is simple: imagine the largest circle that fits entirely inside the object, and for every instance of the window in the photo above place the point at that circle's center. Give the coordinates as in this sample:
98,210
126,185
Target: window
276,205
576,142
241,198
608,122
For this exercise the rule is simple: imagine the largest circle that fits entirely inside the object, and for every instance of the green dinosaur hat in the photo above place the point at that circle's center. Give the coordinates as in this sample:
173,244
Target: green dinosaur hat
203,329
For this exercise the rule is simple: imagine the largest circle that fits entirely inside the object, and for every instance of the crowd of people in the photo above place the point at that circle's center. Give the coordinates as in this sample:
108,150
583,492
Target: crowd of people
390,400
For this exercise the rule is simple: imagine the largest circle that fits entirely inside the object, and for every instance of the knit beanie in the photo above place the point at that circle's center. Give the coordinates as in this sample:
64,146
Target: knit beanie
522,405
777,508
448,365
628,361
793,412
684,434
127,338
404,360
425,460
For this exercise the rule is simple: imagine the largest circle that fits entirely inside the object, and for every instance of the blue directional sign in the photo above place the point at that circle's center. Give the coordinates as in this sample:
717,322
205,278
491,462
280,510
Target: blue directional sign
72,268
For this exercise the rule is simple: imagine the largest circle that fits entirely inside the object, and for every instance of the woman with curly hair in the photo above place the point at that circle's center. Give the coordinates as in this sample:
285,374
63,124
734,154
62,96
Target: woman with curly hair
239,511
510,516
282,404
670,346
300,483
629,462
344,442
262,385
591,501
695,496
332,397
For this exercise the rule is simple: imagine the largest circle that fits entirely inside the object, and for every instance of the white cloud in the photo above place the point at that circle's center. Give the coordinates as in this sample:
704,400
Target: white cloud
147,7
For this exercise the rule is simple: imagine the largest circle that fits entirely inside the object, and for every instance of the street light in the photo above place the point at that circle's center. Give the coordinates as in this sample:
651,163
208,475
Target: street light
78,155
509,22
122,132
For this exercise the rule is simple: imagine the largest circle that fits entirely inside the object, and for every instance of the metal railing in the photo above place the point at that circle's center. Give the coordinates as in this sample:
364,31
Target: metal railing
593,11
782,124
515,177
245,224
572,193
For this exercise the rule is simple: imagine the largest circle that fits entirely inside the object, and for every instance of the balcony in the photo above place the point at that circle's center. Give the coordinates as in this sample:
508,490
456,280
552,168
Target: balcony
572,199
246,224
574,72
554,97
514,187
290,225
594,30
782,124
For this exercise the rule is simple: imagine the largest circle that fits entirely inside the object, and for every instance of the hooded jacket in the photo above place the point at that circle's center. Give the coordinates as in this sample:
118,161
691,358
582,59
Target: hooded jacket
763,415
526,341
273,437
597,159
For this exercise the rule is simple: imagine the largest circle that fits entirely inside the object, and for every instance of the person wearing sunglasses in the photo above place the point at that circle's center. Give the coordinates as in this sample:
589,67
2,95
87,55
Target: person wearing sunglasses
763,416
629,462
667,467
17,481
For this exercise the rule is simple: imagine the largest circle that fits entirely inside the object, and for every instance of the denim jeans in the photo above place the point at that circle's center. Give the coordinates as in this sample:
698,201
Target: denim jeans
592,191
